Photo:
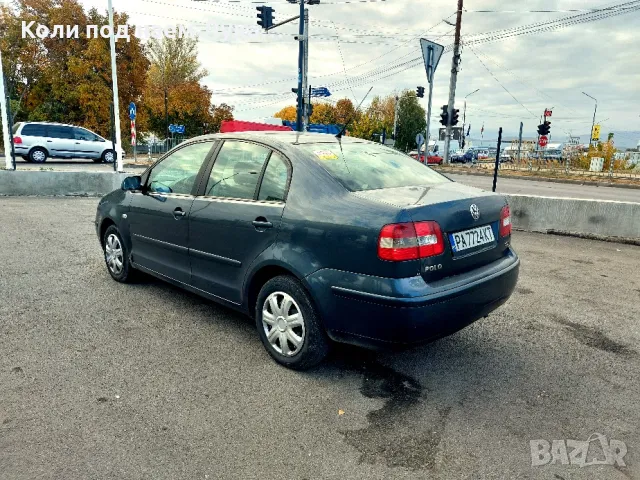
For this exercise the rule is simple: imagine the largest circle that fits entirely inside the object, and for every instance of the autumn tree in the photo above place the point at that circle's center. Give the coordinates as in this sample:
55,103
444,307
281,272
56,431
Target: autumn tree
288,113
378,116
323,113
344,111
219,114
173,93
67,79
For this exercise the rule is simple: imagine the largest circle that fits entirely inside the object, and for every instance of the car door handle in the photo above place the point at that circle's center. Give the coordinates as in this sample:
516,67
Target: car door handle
178,213
49,141
262,222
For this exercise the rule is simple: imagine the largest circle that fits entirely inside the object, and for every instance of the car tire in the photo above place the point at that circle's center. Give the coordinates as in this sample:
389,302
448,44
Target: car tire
108,156
38,155
299,323
116,256
26,158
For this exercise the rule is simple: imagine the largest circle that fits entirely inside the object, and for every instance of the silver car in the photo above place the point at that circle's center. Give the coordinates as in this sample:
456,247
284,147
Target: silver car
37,141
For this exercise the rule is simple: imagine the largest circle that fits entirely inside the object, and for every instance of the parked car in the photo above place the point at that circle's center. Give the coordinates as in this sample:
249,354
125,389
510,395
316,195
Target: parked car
37,141
470,156
482,154
432,158
317,240
553,155
458,157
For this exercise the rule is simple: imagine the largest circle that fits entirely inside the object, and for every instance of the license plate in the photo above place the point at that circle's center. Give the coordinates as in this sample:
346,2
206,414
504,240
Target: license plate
471,238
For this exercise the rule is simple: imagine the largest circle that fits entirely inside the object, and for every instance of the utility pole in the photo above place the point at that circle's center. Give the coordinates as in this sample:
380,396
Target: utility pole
5,121
301,46
452,83
114,80
305,70
520,142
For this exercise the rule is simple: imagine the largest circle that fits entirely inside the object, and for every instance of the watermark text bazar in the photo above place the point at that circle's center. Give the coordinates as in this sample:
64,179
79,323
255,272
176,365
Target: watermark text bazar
596,450
144,32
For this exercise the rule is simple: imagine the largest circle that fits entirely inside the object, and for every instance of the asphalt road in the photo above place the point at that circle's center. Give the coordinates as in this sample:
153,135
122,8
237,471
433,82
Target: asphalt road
107,381
549,189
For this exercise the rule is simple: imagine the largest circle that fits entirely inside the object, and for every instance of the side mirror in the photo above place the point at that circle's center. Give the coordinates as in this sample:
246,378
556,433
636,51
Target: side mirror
132,183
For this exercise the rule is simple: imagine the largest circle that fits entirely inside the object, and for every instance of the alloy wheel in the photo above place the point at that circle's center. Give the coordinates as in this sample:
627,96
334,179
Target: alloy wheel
113,254
108,157
283,323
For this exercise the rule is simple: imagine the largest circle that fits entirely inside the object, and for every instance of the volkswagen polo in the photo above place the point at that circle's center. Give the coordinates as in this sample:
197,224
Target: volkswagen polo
318,238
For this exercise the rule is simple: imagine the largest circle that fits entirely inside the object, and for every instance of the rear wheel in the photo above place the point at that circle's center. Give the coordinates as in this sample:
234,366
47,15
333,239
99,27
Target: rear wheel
38,155
288,324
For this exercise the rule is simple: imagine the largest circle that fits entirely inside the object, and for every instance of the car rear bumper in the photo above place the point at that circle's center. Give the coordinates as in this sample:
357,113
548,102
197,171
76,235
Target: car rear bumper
383,312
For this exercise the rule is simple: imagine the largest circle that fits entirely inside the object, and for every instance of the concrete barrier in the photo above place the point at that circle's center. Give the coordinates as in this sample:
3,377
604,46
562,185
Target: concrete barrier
606,220
600,219
49,183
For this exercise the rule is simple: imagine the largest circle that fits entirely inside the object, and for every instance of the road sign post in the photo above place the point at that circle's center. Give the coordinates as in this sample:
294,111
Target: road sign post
431,53
132,117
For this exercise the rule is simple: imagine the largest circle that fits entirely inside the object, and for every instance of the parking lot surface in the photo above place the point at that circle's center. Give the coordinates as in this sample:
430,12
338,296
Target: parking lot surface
100,380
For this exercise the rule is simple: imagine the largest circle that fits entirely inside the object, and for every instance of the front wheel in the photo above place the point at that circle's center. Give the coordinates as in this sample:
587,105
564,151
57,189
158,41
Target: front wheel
116,256
108,156
288,324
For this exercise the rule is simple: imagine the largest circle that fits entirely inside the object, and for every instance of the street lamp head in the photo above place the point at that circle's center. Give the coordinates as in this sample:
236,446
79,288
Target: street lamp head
469,94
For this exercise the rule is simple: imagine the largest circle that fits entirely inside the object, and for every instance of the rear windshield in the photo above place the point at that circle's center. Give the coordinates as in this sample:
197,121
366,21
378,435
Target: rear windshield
367,166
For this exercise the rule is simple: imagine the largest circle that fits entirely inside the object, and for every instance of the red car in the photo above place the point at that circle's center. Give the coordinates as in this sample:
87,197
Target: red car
431,159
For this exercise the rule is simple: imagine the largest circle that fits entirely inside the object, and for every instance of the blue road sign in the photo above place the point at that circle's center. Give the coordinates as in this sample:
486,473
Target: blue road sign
172,128
320,92
176,128
132,111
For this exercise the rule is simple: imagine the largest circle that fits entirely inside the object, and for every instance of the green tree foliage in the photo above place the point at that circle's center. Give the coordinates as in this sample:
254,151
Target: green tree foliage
411,121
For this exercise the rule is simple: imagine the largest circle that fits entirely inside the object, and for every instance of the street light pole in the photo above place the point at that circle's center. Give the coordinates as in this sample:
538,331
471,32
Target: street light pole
593,123
464,114
114,80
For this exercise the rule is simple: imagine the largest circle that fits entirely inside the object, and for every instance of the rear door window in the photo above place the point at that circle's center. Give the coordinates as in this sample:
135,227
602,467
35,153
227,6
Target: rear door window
274,181
34,130
236,171
59,131
370,166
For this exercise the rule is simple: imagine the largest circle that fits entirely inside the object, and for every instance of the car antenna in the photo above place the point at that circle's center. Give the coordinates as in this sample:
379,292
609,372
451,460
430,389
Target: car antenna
339,135
344,128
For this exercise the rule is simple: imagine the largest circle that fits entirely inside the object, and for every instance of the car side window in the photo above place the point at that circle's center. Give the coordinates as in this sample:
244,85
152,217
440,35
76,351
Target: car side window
274,182
236,170
177,173
82,134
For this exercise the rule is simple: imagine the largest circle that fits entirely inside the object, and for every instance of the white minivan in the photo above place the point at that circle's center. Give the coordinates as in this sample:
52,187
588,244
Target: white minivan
37,141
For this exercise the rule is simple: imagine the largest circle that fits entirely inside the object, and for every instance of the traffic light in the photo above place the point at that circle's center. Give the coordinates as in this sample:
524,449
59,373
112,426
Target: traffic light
454,116
420,92
544,128
444,116
265,16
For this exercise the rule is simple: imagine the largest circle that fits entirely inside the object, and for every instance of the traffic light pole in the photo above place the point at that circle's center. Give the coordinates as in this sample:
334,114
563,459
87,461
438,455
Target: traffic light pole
305,69
301,46
452,83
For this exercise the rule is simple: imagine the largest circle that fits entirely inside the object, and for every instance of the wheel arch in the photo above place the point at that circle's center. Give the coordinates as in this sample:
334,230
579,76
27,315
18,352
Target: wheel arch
106,223
46,150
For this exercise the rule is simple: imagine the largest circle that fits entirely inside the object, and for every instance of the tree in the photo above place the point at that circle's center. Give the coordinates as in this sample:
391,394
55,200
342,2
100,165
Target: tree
378,116
411,121
323,113
173,93
219,114
287,113
344,111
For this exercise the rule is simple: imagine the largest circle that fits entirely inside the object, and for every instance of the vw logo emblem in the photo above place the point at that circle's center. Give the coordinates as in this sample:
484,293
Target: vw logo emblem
475,211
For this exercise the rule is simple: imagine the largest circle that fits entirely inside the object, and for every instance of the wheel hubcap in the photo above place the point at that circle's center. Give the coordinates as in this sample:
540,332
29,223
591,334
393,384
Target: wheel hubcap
108,157
38,156
113,254
283,323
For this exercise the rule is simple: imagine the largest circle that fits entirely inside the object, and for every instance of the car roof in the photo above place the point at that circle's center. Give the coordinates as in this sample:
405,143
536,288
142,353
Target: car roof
292,138
50,123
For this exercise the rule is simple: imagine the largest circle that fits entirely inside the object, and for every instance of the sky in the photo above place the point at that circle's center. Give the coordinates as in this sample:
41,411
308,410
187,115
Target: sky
354,45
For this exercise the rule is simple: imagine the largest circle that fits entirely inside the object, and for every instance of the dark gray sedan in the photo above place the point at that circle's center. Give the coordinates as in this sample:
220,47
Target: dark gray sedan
317,238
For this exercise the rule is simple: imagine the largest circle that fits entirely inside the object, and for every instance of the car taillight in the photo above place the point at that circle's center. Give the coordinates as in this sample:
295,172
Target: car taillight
17,140
505,221
410,241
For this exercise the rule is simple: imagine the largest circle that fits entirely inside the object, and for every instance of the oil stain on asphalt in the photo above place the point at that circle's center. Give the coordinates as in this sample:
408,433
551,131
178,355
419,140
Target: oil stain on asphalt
593,337
391,437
